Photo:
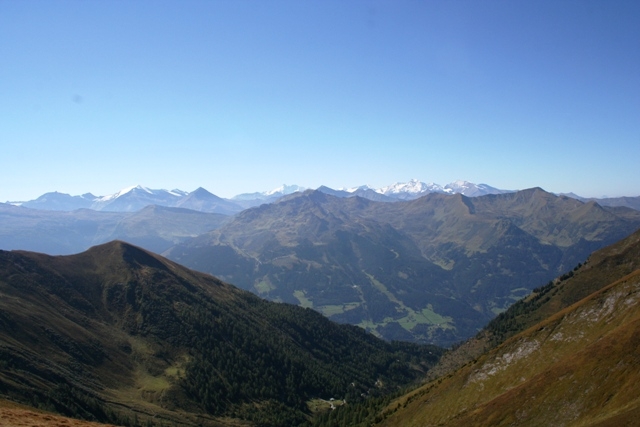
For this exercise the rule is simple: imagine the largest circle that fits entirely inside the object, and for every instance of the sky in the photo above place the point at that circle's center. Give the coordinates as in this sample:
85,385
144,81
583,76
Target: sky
243,96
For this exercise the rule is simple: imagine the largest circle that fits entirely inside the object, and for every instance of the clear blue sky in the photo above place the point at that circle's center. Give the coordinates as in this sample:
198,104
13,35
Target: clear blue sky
242,96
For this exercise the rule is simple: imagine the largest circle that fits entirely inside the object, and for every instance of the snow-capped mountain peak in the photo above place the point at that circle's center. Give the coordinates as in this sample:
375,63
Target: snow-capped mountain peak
136,197
359,188
284,189
123,192
470,189
459,186
412,188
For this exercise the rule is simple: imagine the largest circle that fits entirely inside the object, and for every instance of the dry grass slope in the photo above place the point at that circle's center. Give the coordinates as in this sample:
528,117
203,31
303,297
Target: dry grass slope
578,367
15,415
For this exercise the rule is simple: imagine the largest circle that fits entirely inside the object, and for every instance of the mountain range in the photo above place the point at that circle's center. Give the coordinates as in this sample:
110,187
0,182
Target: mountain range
134,198
58,223
137,197
434,269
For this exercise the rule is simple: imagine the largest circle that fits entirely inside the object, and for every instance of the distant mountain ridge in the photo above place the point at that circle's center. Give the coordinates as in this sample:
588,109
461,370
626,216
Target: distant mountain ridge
136,197
629,202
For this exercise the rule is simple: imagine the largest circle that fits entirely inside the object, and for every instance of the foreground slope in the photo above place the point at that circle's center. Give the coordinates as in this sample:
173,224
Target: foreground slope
119,334
435,269
578,366
16,415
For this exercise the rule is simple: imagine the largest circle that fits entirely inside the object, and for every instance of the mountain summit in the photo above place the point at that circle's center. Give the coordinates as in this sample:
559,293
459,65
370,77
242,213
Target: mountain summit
204,201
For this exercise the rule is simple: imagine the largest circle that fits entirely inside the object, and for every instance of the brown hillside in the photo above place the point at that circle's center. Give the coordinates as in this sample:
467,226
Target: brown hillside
578,367
15,415
602,267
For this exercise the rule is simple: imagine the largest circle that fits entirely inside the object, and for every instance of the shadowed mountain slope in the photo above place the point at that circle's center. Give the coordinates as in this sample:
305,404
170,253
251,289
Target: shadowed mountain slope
434,269
122,335
567,355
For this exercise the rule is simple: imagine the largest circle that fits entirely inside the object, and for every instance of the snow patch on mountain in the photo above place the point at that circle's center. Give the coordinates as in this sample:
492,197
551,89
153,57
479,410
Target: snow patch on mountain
283,190
179,193
470,189
356,189
121,193
413,188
